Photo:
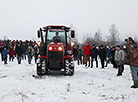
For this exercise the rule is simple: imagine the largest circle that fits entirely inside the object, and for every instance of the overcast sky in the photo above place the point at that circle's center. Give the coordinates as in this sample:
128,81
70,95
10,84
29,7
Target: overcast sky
20,19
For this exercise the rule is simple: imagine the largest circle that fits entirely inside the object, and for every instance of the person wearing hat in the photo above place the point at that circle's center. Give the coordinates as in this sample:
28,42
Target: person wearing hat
19,52
119,57
94,53
87,53
102,55
132,59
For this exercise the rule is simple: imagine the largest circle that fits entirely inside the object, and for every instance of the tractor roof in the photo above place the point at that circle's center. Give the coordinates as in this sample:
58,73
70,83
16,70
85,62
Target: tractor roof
56,27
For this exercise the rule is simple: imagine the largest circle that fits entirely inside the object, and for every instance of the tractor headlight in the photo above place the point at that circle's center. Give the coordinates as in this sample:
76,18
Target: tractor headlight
50,48
60,48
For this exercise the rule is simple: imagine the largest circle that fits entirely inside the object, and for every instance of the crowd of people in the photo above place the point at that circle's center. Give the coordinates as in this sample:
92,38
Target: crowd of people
19,49
118,56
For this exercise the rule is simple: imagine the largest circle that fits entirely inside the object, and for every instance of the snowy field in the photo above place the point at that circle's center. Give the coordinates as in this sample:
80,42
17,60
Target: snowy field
87,85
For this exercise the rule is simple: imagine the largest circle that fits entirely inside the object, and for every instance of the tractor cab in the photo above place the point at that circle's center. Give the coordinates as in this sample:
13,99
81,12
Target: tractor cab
55,50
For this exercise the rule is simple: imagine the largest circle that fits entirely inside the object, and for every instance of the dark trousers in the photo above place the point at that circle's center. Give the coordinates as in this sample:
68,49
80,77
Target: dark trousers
5,60
114,64
11,58
2,59
29,59
102,62
92,59
19,57
79,59
120,69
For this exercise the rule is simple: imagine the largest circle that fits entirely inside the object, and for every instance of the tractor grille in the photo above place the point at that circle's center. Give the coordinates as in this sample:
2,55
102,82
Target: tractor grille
55,56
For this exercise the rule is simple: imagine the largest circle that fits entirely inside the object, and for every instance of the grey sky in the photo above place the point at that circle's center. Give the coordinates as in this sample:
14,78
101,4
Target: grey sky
20,19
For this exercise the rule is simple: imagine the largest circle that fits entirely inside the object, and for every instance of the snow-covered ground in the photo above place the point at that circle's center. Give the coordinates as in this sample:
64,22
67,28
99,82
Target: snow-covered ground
86,85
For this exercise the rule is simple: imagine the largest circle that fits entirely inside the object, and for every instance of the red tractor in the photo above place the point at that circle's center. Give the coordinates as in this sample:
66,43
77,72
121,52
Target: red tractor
55,50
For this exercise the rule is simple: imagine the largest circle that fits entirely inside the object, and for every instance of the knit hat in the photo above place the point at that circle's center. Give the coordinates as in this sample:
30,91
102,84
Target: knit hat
118,46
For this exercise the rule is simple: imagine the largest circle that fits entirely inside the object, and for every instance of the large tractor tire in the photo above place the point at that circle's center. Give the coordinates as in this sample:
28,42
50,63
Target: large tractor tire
69,67
41,67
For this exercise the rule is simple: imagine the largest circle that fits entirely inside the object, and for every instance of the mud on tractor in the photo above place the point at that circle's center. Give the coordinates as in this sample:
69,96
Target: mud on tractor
55,50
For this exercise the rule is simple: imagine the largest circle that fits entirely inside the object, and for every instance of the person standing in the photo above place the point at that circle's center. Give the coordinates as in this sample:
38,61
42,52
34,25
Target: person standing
132,59
94,54
11,53
113,57
36,52
24,51
102,55
19,52
109,56
79,55
87,53
75,53
29,53
119,57
5,55
1,51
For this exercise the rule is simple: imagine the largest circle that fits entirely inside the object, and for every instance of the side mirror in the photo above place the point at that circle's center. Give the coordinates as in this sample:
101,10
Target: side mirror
38,34
72,33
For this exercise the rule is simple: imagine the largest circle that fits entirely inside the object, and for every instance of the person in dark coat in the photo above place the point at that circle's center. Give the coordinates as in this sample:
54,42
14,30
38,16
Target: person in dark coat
109,56
56,38
113,57
36,53
79,55
5,55
75,53
94,54
30,54
102,55
19,52
1,51
24,47
11,53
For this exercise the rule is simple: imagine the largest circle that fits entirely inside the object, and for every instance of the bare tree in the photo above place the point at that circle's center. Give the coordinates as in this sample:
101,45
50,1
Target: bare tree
114,35
98,37
5,37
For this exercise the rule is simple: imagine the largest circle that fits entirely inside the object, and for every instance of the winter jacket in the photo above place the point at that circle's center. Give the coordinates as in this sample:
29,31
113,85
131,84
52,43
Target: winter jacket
87,50
11,52
79,52
94,52
24,49
109,55
74,51
5,53
102,53
132,56
1,49
19,50
113,54
119,55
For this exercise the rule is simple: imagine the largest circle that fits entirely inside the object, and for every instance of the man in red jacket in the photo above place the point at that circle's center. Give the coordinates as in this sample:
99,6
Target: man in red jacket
87,54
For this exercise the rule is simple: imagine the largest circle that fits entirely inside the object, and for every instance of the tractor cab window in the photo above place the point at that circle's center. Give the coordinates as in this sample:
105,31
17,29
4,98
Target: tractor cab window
52,34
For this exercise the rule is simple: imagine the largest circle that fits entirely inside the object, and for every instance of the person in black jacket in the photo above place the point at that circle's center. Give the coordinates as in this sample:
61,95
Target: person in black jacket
94,53
19,52
1,50
113,57
24,51
102,55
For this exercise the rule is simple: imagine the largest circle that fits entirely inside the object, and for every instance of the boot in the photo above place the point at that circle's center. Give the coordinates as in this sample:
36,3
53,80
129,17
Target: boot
135,84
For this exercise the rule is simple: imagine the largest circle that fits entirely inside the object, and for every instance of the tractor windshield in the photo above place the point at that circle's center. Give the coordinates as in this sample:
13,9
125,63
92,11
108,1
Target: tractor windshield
52,33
